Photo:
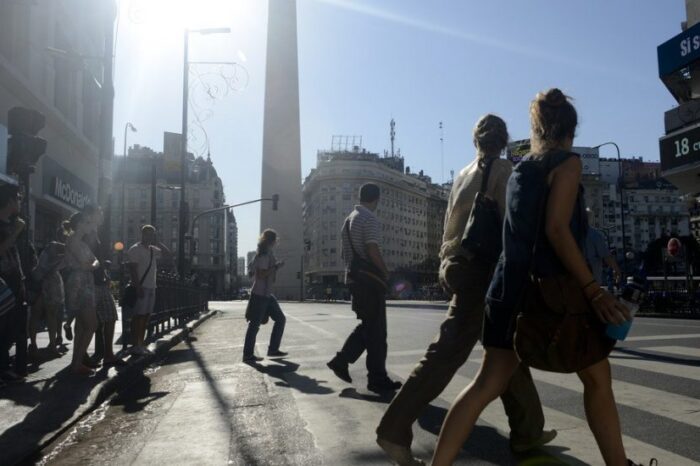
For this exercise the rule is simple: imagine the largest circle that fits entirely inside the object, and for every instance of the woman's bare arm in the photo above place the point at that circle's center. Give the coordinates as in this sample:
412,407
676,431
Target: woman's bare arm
564,186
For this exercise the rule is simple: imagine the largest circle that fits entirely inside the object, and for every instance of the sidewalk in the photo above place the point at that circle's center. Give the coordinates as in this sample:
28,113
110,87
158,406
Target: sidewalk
52,399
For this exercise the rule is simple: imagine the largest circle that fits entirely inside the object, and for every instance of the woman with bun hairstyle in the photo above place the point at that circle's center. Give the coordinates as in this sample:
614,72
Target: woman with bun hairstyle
80,288
553,122
467,278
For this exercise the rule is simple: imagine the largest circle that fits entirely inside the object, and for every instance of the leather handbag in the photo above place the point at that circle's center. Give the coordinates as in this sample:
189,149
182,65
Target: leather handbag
556,329
258,304
363,272
130,294
482,234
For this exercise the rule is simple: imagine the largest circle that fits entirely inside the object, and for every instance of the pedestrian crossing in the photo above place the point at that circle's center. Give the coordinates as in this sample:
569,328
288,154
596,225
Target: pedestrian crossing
644,406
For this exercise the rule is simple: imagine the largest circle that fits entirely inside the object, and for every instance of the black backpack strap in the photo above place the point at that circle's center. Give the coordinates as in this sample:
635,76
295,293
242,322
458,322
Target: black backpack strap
148,269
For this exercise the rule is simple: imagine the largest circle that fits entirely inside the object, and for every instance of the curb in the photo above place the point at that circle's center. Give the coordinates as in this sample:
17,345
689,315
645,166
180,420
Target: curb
104,390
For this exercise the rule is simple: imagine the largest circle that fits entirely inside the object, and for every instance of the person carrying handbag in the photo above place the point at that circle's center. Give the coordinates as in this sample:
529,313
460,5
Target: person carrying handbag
474,210
262,304
550,170
366,277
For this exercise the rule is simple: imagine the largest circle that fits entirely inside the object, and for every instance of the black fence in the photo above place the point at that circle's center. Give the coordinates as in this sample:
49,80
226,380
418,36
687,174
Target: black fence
177,302
673,296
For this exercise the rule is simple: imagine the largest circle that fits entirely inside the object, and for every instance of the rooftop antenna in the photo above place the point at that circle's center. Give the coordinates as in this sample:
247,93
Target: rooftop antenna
392,135
442,154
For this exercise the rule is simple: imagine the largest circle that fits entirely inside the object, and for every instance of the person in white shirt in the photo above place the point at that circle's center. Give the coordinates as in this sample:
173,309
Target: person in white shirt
143,267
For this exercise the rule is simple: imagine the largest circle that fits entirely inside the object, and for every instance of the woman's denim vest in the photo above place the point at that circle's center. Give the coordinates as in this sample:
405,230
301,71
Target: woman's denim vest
526,195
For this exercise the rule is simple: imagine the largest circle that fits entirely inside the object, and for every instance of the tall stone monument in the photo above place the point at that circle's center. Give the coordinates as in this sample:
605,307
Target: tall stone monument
281,161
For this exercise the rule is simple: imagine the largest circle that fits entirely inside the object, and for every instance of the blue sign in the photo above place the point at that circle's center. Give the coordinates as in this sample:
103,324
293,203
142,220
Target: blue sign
680,51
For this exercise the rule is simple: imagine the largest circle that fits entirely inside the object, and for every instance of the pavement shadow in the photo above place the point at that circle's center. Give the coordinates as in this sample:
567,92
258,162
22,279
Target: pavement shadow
654,357
56,402
136,396
288,375
353,394
487,444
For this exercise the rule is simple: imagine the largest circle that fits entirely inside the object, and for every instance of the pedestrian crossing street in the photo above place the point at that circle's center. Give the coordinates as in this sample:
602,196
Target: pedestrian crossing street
656,373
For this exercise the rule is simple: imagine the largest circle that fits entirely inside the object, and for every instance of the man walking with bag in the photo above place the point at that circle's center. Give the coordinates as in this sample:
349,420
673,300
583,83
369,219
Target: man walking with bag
143,267
466,274
366,276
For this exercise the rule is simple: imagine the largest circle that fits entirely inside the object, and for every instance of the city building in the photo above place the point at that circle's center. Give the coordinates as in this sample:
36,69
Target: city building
144,171
411,211
49,62
231,248
241,267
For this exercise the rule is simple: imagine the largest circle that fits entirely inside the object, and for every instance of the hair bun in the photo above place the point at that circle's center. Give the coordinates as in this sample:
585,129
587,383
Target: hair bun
553,97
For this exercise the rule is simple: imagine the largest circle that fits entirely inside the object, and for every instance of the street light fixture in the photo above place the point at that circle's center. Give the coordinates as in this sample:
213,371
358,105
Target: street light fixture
183,142
620,181
127,127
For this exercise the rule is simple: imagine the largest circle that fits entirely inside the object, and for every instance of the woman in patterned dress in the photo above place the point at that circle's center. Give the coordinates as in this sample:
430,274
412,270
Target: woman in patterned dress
80,288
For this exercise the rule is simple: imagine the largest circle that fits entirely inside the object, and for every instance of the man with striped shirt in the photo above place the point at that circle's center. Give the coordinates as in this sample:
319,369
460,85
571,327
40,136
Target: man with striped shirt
361,235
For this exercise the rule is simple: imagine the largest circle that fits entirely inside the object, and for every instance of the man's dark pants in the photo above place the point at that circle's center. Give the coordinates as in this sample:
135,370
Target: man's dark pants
370,335
450,350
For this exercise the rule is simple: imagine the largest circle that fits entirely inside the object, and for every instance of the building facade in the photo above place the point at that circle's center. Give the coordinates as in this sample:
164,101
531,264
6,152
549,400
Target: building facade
144,171
411,211
49,61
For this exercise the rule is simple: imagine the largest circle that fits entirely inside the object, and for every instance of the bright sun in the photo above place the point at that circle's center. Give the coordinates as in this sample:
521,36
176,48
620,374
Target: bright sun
161,18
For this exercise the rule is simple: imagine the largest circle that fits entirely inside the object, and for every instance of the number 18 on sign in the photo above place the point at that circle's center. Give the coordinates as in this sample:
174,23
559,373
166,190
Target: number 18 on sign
680,148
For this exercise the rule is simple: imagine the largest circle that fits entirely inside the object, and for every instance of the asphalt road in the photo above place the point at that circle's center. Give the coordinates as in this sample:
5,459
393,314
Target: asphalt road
201,405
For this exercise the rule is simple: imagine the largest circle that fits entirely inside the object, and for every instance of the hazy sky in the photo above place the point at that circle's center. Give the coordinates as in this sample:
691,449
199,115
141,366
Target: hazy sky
362,62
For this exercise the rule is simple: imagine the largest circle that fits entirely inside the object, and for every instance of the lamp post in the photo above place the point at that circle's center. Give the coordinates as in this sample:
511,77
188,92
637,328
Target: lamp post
620,182
127,127
183,141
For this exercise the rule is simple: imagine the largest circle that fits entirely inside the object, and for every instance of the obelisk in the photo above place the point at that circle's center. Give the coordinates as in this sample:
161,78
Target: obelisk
281,160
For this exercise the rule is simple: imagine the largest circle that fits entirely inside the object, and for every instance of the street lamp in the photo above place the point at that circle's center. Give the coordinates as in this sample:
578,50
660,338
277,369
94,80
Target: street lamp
620,181
127,127
183,142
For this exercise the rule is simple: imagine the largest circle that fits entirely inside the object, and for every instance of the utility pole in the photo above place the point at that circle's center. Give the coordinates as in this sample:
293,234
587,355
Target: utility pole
106,155
183,160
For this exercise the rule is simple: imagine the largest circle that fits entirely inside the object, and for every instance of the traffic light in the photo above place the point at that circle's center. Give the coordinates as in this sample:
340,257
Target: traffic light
275,201
24,147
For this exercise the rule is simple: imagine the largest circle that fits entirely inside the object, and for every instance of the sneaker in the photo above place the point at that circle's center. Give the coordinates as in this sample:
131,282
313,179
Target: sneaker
340,369
277,354
399,454
521,447
252,358
83,371
69,332
386,385
652,462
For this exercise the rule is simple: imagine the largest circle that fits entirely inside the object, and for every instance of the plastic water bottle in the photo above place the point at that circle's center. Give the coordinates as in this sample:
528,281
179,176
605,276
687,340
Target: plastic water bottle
632,296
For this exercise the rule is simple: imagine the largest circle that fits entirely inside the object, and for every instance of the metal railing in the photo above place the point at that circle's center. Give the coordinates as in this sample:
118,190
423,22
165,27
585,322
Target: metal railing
177,302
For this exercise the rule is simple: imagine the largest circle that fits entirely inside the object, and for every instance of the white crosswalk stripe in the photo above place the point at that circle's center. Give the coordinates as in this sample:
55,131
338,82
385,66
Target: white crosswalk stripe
677,351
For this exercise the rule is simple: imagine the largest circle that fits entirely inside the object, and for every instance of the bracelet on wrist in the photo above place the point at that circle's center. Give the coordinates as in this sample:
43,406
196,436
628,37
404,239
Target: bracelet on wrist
597,297
588,284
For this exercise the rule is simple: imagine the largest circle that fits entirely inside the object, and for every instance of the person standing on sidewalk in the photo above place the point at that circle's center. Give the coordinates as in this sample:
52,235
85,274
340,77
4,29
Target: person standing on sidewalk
143,267
51,300
262,303
80,289
467,278
361,235
13,316
105,306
